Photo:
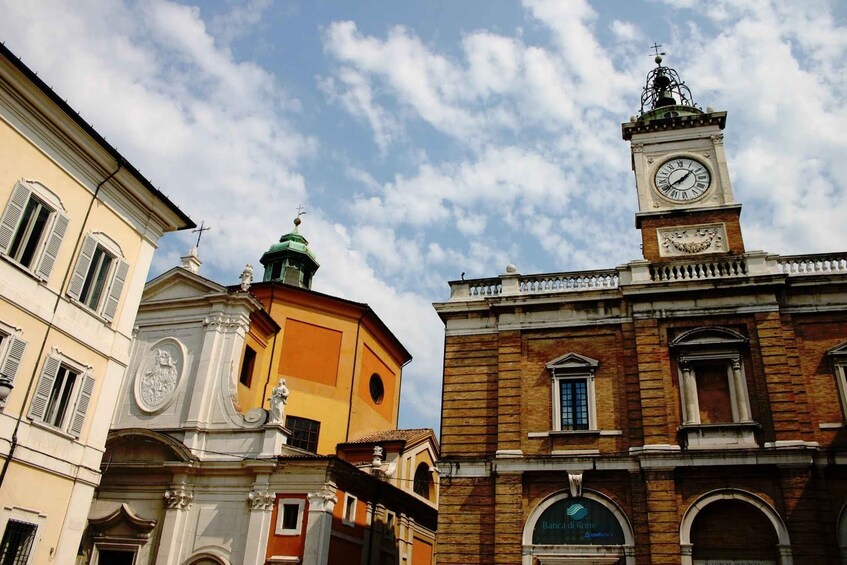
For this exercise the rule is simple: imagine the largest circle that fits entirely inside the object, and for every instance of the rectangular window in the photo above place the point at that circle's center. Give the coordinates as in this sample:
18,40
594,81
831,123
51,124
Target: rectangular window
290,516
62,396
17,542
349,516
11,352
304,433
247,365
99,276
573,395
713,392
32,228
390,521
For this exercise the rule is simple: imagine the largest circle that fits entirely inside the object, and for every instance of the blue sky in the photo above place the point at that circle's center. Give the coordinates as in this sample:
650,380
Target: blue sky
427,139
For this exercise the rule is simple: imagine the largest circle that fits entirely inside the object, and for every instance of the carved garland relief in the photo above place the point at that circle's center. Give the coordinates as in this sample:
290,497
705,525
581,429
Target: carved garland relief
692,240
159,375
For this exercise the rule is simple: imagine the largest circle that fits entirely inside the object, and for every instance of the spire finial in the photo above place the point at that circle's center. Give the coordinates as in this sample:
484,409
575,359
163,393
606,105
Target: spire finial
655,47
300,212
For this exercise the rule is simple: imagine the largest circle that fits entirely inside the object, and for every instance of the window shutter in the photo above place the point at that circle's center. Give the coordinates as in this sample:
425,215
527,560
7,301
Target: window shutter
13,358
82,264
42,390
115,291
82,405
12,215
48,258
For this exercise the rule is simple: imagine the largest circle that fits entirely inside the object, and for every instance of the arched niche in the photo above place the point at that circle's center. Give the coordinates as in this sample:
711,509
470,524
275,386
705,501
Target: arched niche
783,547
589,529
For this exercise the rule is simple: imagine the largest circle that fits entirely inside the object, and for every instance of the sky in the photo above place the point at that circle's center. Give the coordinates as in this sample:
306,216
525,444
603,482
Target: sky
430,139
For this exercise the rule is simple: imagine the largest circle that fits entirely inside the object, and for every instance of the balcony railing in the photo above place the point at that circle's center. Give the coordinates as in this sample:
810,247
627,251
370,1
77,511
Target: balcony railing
752,264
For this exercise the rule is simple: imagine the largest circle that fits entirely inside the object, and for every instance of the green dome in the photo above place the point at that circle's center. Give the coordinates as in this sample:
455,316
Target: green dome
290,260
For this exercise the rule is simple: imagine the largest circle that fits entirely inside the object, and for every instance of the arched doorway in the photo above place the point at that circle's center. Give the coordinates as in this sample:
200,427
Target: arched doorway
732,526
584,530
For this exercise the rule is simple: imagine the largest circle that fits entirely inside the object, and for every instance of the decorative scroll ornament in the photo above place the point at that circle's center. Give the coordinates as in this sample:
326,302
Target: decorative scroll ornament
159,375
693,240
222,322
178,499
323,500
717,139
261,500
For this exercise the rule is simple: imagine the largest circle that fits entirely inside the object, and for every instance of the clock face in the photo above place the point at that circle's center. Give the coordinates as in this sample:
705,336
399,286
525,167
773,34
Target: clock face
682,179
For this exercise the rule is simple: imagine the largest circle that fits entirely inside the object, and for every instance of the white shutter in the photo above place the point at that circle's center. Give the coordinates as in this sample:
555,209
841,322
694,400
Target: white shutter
81,269
115,290
13,357
51,250
42,390
82,405
12,215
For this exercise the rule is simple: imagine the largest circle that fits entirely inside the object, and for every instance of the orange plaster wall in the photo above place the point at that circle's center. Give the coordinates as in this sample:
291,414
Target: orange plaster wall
421,552
344,549
251,397
372,364
287,545
310,352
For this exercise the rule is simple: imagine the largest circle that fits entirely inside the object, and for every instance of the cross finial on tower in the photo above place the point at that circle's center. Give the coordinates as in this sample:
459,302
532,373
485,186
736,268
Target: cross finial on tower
655,47
199,231
300,212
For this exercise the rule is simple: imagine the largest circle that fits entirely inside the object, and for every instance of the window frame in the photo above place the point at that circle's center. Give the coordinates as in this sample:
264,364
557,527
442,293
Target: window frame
296,430
37,519
86,269
573,367
281,530
248,366
350,506
46,247
12,349
711,346
838,361
75,411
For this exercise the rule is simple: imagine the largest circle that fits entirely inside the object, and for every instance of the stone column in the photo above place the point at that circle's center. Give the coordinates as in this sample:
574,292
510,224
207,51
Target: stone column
258,526
740,391
319,525
171,545
689,393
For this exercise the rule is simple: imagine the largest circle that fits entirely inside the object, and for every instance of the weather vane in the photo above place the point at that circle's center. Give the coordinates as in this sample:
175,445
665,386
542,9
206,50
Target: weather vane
199,231
655,47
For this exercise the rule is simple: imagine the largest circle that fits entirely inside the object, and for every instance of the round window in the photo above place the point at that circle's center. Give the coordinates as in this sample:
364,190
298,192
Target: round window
377,388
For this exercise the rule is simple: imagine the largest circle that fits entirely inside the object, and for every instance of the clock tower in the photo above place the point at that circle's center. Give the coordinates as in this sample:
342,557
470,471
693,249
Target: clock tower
685,202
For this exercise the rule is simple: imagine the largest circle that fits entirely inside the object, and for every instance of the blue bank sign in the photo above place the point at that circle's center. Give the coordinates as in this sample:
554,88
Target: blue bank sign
577,521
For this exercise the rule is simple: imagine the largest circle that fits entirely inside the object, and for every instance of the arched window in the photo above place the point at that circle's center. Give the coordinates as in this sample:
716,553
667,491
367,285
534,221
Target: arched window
423,480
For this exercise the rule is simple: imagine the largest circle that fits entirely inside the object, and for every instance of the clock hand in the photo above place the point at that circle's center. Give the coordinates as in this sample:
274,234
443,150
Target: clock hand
682,178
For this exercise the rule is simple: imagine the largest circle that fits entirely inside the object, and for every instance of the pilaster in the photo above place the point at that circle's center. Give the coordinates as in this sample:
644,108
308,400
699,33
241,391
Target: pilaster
177,503
261,502
662,517
319,526
509,392
508,518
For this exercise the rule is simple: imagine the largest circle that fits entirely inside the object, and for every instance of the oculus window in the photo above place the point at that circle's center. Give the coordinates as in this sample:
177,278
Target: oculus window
32,227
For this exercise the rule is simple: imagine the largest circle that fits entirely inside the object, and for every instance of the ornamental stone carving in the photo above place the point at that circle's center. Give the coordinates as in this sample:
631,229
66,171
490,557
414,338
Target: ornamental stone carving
178,499
717,139
637,147
158,377
323,500
692,240
261,500
223,322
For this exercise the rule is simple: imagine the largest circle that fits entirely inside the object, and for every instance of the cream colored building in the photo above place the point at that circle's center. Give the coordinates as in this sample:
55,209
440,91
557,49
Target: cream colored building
78,227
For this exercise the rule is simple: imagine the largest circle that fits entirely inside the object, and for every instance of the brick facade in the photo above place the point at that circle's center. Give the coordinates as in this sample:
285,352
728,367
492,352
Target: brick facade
688,407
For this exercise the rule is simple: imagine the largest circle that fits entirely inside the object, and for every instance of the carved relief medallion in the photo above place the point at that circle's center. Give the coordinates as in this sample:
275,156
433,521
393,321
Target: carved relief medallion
692,240
159,375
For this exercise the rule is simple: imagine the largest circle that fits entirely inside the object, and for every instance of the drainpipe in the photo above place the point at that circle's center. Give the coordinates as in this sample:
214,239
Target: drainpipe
14,443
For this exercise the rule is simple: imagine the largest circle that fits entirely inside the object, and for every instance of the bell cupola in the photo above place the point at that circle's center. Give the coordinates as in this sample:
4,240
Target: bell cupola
290,261
685,201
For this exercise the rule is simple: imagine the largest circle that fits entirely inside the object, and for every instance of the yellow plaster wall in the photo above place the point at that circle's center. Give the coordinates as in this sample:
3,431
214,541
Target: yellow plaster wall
367,416
251,397
50,498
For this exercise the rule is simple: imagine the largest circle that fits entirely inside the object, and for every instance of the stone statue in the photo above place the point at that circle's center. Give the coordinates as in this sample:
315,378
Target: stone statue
246,277
279,398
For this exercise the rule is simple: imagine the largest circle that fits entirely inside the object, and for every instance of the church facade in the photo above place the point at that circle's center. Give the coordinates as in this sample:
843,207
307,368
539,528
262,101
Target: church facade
257,424
687,407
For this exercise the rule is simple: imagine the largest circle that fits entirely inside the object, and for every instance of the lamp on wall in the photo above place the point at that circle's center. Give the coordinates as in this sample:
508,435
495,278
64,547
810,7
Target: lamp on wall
5,389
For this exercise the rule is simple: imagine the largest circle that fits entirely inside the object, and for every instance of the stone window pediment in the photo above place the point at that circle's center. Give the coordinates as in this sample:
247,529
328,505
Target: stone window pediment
573,393
838,361
713,388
